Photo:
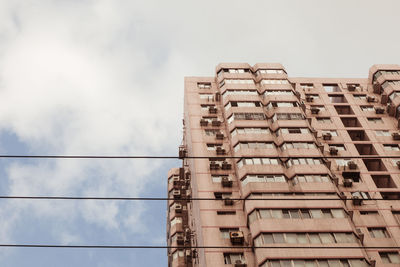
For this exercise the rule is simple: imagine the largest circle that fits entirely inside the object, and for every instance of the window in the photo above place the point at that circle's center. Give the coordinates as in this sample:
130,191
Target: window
367,108
382,133
270,71
250,131
306,86
272,105
211,132
316,262
339,147
291,145
361,195
247,116
263,178
278,92
253,145
232,258
225,232
287,116
311,178
330,88
236,70
385,72
239,81
378,232
274,81
226,212
304,238
332,132
257,161
303,161
391,83
217,178
369,212
360,97
176,220
212,147
337,98
344,110
222,195
342,162
239,92
242,104
209,97
324,120
204,85
178,253
292,131
390,257
391,147
375,120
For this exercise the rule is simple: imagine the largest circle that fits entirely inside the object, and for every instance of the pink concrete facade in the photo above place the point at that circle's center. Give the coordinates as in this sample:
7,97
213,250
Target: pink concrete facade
289,171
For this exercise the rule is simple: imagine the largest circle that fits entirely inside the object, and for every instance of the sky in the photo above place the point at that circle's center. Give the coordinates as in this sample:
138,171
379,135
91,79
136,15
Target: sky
105,77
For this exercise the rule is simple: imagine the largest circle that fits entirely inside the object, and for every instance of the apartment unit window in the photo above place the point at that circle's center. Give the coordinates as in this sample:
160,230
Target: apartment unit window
272,105
303,161
296,214
367,108
324,120
313,96
392,83
316,263
290,145
239,92
247,116
393,95
274,81
217,178
304,238
257,161
394,162
179,253
385,72
382,133
319,107
263,178
232,258
176,220
375,120
361,195
287,116
206,107
339,147
342,162
222,195
211,132
279,194
360,97
331,88
209,97
390,257
253,145
224,232
391,147
212,147
226,212
250,131
278,92
270,71
332,132
311,178
337,99
369,212
242,104
378,232
306,86
239,81
209,119
204,85
292,131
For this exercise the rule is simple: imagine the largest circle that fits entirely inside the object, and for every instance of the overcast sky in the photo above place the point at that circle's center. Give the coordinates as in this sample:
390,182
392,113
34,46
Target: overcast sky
105,77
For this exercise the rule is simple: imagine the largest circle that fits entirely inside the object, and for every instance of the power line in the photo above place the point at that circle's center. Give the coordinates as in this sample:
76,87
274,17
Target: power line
166,198
184,247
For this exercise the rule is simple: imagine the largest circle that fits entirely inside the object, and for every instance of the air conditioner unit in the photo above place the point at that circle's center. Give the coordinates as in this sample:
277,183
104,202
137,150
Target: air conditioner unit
240,263
370,99
327,136
216,122
333,150
352,165
379,110
182,152
203,122
396,136
357,201
214,165
176,194
309,99
219,136
347,183
228,201
351,87
226,182
226,165
212,110
314,110
220,151
237,237
188,255
178,208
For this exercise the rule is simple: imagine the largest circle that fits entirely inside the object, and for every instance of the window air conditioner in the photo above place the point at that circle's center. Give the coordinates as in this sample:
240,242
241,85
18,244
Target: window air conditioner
237,237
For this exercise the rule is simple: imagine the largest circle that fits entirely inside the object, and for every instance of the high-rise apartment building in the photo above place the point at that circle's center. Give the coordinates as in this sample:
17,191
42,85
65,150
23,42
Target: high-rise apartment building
281,171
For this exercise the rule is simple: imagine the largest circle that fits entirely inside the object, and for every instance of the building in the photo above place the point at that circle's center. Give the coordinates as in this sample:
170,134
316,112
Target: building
281,171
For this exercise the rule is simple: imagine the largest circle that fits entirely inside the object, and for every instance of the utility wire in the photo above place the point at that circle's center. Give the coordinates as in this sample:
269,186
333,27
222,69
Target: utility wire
193,157
183,247
164,198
